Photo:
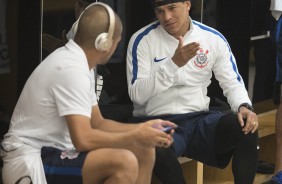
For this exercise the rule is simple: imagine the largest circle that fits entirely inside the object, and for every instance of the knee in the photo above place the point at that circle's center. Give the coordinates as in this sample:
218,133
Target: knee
144,154
112,164
127,166
127,160
251,140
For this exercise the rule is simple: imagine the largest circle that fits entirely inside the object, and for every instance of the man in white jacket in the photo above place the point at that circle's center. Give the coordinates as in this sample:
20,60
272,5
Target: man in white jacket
169,67
276,10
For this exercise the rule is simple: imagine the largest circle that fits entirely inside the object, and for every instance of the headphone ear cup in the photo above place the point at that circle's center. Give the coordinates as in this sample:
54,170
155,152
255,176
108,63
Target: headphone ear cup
102,43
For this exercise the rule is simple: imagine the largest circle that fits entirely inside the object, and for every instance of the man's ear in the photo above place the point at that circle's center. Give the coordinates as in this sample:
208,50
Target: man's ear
188,4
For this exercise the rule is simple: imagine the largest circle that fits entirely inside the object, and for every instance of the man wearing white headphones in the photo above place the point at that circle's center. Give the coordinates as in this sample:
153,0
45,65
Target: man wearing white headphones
57,133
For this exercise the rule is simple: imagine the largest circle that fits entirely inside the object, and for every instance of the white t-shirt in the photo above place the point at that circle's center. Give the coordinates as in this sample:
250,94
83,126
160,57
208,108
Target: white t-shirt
61,85
99,78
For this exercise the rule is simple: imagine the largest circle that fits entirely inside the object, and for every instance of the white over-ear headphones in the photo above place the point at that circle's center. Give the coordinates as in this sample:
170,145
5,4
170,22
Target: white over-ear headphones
103,42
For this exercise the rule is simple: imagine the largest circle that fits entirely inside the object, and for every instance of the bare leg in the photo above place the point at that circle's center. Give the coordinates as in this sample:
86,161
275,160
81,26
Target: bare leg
110,166
146,161
278,136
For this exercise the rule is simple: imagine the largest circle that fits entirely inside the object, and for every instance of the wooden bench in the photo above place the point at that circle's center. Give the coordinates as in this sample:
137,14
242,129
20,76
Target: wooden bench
198,173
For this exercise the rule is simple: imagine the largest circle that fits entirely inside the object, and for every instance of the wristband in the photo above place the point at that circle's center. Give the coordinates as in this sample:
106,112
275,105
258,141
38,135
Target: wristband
248,106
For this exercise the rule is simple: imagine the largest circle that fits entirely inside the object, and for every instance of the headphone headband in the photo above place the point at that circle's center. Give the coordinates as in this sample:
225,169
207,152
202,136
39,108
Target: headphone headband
104,40
111,15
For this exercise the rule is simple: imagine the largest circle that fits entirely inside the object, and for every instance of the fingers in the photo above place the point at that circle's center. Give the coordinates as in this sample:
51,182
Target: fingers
184,53
251,125
153,132
160,124
255,126
181,42
251,122
165,143
165,139
191,49
169,123
240,118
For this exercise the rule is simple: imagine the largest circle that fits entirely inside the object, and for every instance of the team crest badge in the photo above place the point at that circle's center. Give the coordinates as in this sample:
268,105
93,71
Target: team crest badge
201,60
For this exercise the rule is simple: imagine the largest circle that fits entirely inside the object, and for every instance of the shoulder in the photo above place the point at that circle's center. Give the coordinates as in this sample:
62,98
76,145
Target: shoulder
68,65
207,30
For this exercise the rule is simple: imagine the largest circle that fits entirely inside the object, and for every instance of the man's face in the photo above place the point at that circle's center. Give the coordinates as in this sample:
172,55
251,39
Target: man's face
174,17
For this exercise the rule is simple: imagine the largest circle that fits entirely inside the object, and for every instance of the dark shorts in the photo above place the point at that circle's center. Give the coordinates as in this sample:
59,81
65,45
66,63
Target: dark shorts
277,37
194,137
59,170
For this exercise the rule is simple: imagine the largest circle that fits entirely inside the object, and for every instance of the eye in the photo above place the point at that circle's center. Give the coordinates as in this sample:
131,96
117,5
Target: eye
158,11
171,8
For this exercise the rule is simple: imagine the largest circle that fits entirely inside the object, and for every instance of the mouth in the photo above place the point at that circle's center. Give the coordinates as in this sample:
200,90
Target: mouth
169,25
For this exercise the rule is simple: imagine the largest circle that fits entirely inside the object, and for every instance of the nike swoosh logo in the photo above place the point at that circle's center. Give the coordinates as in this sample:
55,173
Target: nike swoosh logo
158,60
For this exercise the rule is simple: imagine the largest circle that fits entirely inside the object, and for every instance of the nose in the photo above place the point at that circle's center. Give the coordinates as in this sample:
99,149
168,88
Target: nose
166,15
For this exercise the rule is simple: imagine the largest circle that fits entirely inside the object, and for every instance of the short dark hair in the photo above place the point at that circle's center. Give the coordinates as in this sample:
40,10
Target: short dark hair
164,2
89,1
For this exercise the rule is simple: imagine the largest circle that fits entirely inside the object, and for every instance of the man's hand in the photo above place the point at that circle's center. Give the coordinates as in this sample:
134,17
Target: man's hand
184,53
150,133
250,118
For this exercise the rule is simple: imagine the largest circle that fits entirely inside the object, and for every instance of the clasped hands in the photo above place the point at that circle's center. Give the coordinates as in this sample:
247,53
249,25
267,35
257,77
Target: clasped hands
151,133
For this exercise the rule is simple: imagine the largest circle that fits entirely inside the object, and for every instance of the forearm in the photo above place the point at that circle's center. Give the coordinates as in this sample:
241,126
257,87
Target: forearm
114,126
230,81
97,139
236,96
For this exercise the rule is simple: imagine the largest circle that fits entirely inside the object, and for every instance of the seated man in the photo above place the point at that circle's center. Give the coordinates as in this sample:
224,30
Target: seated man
57,134
169,67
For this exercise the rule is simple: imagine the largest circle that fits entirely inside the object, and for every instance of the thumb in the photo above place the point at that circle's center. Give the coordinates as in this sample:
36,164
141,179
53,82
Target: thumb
240,117
180,44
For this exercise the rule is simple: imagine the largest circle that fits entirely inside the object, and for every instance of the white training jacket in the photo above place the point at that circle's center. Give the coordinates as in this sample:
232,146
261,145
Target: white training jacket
157,86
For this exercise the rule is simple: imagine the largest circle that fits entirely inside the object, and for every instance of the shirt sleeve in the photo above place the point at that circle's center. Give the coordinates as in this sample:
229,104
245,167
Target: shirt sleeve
226,72
74,93
144,81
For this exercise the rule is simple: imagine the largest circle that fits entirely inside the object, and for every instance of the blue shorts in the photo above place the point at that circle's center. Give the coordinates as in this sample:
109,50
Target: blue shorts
59,168
194,136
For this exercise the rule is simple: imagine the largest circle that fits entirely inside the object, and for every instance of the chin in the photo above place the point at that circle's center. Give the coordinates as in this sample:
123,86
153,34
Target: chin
171,31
